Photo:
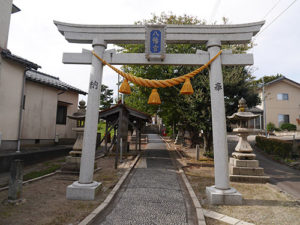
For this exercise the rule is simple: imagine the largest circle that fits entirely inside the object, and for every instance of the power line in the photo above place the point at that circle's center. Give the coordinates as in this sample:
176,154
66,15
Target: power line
215,8
280,14
271,9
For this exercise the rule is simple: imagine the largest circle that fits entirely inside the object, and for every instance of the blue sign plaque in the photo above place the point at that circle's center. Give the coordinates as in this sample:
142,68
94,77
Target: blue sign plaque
155,41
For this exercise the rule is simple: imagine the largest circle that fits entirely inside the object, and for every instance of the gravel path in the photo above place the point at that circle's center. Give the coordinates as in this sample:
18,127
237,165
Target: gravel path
154,193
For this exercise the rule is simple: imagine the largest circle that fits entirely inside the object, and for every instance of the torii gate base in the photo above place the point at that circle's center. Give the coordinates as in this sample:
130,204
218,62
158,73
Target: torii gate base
80,191
213,36
223,197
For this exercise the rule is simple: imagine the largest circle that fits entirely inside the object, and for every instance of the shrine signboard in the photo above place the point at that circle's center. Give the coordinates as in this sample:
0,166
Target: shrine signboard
155,42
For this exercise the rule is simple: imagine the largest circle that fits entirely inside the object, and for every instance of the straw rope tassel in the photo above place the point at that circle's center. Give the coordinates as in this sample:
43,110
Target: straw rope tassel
154,98
187,88
125,88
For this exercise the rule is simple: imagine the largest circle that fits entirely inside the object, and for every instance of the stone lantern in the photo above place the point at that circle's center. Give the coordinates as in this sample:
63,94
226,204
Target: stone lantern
79,116
243,165
72,164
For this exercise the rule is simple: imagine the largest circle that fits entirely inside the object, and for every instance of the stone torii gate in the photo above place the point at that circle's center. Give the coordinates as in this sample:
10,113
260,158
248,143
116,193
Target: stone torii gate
211,35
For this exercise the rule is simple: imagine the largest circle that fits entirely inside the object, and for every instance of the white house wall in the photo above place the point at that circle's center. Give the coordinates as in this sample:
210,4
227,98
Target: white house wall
11,77
275,107
65,131
39,116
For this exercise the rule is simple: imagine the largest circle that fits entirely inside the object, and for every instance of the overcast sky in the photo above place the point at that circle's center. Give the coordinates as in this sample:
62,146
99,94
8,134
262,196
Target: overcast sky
34,36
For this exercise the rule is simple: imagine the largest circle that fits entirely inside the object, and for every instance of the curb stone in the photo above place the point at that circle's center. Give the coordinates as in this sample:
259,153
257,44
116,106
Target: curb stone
92,216
224,218
33,180
48,175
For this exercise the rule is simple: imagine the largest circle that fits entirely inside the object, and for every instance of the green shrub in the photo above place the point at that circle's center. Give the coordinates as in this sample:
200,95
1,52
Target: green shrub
209,154
270,126
288,126
275,146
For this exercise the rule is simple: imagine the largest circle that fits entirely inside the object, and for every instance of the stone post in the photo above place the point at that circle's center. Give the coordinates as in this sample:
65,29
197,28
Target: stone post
15,181
85,188
220,193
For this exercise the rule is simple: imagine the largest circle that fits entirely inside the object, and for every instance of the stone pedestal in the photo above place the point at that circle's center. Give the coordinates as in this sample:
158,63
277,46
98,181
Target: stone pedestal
242,170
72,165
229,196
78,191
243,167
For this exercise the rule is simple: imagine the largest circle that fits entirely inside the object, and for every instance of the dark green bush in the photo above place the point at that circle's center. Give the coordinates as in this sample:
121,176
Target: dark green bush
288,126
275,146
271,126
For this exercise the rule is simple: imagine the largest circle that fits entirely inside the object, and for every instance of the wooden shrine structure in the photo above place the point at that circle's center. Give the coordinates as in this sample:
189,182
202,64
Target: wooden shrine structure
119,118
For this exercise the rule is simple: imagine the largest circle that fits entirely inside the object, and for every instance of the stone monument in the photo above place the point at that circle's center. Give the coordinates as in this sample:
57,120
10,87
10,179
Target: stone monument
243,166
72,164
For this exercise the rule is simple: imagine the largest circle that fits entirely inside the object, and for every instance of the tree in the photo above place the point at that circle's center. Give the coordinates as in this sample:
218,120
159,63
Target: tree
106,97
192,112
267,79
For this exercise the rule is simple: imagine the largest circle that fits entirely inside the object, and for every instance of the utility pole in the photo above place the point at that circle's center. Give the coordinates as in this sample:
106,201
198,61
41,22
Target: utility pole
264,107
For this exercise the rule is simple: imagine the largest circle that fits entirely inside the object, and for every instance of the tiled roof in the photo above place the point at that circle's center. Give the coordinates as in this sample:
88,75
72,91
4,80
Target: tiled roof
279,79
255,110
51,81
8,55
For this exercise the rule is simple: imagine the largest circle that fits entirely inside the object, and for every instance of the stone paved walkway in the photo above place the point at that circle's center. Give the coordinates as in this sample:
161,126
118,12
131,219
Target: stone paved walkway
153,195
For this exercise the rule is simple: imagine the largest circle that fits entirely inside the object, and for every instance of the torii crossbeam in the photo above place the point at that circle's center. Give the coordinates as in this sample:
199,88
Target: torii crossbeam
211,35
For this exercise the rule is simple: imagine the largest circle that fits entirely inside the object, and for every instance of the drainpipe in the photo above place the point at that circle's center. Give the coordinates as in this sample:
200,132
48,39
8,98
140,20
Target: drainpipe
21,110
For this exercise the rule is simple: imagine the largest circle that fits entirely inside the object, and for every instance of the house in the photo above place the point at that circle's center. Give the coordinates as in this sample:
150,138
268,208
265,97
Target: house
40,116
282,102
33,105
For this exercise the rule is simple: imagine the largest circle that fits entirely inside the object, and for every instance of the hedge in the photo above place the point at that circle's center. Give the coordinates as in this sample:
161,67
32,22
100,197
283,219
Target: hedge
288,126
275,146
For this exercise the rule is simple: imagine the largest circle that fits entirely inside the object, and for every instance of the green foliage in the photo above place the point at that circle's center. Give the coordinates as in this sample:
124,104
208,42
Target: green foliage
192,112
275,146
35,174
101,129
271,127
106,97
267,79
288,126
209,154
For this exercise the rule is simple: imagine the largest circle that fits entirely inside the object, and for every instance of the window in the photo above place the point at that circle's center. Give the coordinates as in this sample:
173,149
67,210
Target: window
61,114
282,96
282,118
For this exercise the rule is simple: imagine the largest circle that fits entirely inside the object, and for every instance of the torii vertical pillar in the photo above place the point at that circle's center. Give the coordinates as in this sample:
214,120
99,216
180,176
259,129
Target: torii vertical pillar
220,193
86,188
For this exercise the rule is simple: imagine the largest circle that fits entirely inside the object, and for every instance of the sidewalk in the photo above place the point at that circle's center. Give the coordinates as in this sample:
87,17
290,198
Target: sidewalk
153,193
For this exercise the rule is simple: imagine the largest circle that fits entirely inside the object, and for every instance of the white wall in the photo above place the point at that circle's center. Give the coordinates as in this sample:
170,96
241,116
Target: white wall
39,120
290,107
65,131
39,116
11,78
